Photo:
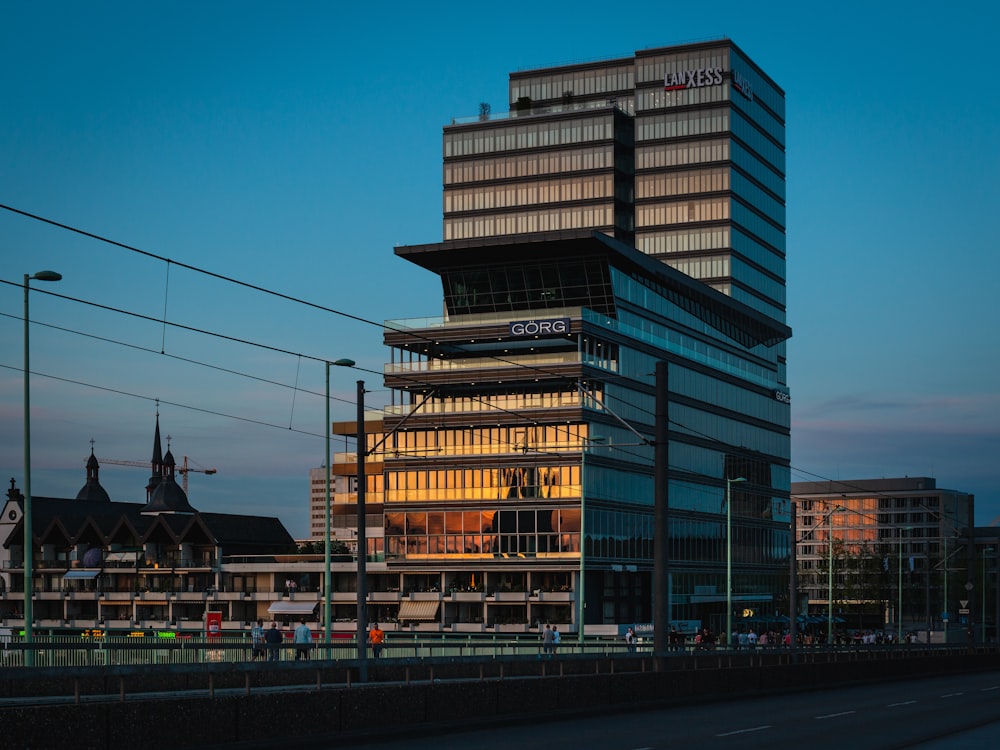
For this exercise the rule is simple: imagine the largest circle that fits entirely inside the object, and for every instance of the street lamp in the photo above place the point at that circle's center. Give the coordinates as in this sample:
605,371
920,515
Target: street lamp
729,556
982,616
29,615
327,557
362,482
829,575
899,586
581,597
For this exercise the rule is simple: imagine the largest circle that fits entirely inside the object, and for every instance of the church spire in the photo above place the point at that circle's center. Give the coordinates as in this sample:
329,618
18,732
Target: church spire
157,462
93,490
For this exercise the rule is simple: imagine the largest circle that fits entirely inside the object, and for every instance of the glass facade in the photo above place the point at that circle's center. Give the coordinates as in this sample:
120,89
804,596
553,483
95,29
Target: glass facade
515,447
566,169
622,214
691,169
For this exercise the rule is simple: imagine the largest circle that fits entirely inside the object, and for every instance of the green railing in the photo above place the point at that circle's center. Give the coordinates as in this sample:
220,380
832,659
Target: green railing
146,649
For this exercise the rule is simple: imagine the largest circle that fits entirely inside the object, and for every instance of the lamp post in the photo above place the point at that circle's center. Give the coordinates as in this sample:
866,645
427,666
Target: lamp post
829,575
29,615
581,599
362,482
362,595
899,587
327,548
729,557
327,566
362,540
982,616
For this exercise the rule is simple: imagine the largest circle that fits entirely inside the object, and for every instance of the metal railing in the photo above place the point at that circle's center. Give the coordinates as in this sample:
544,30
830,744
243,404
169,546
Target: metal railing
143,648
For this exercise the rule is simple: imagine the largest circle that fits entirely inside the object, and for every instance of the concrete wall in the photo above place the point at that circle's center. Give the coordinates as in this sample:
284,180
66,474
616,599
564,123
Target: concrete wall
254,702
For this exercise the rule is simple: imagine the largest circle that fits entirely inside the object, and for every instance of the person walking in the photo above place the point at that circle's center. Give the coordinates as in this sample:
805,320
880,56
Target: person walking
376,637
273,640
630,640
303,640
555,638
257,645
548,638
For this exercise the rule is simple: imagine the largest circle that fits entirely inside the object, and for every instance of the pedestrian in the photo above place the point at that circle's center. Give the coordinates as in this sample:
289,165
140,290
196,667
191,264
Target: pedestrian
303,640
547,639
273,640
630,640
376,637
674,638
257,645
555,638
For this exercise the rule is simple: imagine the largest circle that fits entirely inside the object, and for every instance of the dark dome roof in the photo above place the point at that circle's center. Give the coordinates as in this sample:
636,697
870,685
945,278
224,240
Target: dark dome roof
93,490
168,497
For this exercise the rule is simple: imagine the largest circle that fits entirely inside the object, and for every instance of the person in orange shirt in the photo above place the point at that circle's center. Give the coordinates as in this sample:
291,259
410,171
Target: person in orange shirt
376,637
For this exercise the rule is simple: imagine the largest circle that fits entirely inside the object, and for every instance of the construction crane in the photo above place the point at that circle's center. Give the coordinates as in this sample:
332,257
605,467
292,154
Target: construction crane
183,469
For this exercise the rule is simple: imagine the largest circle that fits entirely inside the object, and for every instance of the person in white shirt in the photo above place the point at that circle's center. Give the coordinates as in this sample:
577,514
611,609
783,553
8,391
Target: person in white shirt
303,640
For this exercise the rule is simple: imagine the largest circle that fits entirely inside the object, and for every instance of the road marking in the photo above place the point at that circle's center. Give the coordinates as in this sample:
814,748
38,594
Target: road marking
832,716
952,695
995,687
902,703
744,731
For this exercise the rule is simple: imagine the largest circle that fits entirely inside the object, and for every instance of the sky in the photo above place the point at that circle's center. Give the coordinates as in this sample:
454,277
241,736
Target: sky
291,146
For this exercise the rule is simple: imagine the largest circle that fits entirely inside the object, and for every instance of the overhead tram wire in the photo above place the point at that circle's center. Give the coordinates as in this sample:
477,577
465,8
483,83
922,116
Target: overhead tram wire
423,384
414,381
280,295
257,288
244,284
231,280
204,332
248,285
179,358
201,410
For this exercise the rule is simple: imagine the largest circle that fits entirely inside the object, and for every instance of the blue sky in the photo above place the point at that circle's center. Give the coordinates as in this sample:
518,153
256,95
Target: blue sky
293,145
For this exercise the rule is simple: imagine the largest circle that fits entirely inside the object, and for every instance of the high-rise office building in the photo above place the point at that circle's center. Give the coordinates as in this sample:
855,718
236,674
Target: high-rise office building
679,151
622,215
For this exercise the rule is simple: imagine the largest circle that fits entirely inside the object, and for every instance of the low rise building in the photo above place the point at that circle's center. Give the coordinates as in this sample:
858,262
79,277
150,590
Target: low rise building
889,553
162,564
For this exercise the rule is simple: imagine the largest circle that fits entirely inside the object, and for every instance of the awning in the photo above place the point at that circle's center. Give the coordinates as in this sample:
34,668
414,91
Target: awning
418,611
121,557
292,608
81,574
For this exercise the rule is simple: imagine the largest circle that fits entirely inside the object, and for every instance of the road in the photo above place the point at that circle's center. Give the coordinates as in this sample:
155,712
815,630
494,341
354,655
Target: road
946,713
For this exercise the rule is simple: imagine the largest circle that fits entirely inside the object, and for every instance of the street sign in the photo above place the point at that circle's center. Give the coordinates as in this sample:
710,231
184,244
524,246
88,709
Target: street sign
969,586
963,611
945,616
963,603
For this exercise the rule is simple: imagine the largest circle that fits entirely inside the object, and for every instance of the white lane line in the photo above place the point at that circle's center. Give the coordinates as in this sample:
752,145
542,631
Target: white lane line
901,703
833,716
995,687
744,731
952,695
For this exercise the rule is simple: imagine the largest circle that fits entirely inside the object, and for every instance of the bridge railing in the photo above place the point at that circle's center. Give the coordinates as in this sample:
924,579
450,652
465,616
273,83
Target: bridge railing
130,650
